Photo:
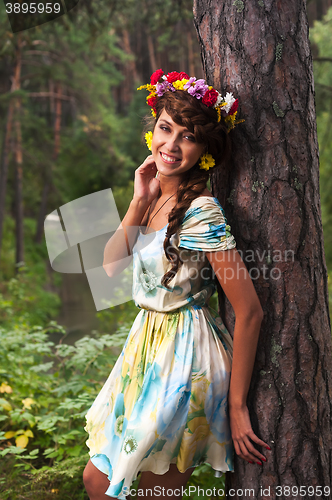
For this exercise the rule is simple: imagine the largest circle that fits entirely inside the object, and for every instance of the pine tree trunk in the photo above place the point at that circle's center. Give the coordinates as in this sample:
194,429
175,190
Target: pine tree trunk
260,51
48,177
4,167
18,159
18,185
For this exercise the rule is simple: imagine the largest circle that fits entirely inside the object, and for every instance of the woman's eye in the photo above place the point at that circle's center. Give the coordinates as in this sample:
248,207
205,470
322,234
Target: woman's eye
162,127
190,138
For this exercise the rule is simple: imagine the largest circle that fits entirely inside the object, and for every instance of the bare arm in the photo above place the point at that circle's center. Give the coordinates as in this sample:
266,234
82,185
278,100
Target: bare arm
119,246
239,289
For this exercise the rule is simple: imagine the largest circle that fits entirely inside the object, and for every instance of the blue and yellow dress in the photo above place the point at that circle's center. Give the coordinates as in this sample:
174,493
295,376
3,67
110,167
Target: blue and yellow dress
165,400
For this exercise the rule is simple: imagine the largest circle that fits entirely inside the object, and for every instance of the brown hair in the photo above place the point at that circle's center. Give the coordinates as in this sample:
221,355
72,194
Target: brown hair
202,121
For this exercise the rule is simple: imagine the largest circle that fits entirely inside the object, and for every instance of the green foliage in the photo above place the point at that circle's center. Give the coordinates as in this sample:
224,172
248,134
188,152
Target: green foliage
26,296
47,390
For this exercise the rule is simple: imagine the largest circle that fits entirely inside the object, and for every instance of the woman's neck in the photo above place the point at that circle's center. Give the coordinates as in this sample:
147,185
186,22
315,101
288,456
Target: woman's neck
168,185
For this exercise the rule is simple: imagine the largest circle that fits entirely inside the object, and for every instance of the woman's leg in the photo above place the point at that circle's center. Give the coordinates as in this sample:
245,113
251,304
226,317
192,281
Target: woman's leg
95,482
172,481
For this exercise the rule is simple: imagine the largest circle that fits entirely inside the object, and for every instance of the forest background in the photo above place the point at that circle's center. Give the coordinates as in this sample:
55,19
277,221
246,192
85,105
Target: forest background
71,125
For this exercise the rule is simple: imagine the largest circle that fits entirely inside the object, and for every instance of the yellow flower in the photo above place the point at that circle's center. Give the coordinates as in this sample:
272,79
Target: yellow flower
148,138
28,402
4,387
207,161
149,87
179,84
231,121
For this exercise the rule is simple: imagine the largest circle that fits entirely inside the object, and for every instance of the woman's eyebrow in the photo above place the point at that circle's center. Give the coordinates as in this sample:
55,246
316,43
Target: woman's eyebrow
168,123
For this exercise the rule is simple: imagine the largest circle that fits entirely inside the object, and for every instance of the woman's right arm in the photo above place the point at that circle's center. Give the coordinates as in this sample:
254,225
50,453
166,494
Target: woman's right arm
119,246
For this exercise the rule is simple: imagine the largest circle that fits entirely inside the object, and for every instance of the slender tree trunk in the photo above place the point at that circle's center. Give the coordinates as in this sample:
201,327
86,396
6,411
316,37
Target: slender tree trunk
4,169
260,51
14,104
18,160
153,62
48,177
191,58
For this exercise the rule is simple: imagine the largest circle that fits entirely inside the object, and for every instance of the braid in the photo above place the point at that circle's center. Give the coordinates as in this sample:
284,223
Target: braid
192,186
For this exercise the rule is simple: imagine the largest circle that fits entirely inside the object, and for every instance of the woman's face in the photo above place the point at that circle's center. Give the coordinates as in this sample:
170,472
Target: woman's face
174,148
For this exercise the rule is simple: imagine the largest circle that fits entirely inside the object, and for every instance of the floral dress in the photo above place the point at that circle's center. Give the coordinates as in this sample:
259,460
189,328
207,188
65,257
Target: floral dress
165,400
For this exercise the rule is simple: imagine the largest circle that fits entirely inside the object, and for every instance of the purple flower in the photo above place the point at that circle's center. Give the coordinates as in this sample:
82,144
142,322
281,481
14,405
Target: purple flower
161,88
196,88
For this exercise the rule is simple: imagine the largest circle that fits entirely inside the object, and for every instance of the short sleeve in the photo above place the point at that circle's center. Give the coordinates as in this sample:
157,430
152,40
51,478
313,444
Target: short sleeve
204,227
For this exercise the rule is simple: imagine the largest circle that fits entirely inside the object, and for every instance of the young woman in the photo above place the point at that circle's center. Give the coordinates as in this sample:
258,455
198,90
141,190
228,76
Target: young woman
176,396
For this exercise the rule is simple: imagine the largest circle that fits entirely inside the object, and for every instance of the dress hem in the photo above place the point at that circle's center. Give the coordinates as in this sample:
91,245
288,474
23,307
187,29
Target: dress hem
217,473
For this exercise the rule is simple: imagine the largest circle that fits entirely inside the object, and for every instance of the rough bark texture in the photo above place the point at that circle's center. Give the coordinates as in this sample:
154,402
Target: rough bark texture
259,50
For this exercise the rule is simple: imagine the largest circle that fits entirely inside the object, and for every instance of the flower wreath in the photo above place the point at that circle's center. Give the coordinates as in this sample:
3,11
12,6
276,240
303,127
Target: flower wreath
226,107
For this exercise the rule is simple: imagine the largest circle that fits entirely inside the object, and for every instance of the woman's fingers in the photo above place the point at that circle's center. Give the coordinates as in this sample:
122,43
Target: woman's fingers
246,450
146,185
244,437
148,162
255,438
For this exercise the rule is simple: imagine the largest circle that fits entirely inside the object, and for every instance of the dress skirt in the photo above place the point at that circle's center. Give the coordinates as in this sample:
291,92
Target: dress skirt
165,400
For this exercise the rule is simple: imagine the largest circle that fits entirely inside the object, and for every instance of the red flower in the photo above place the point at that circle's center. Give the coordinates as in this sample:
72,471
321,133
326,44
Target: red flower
174,75
155,77
234,107
151,100
210,98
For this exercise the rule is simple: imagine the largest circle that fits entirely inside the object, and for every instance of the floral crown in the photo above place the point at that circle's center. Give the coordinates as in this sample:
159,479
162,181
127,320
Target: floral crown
225,107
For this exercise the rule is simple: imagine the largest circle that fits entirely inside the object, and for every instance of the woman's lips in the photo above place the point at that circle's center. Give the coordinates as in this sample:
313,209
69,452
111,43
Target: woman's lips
170,159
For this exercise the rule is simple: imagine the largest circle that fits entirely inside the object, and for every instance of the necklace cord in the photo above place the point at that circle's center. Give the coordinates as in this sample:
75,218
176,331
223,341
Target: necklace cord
149,222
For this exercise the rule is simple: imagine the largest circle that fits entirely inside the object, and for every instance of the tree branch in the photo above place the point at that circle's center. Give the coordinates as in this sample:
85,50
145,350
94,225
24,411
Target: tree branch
322,59
50,94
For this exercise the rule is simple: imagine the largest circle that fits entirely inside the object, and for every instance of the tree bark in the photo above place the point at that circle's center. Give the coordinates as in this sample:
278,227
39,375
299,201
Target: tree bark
259,50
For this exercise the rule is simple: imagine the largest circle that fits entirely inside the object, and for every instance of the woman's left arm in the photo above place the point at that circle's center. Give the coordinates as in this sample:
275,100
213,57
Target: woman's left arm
234,278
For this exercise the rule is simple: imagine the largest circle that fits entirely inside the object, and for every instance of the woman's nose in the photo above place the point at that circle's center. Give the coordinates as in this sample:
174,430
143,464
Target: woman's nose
173,143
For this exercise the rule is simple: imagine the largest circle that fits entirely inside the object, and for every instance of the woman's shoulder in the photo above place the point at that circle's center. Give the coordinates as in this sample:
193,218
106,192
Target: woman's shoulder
206,193
205,200
204,207
204,226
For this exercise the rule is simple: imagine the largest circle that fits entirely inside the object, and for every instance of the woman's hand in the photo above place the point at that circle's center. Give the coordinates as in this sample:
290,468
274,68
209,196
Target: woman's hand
242,435
146,186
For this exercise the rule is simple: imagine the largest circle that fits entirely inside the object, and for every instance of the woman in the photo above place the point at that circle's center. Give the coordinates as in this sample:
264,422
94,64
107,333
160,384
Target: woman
172,401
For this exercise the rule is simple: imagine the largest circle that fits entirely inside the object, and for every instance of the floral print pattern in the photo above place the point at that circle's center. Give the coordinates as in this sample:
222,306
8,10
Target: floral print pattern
165,400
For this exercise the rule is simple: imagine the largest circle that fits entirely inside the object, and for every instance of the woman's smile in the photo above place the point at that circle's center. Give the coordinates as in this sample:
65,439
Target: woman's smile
169,159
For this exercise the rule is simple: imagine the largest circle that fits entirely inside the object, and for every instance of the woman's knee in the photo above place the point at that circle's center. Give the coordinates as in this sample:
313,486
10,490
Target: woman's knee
95,481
